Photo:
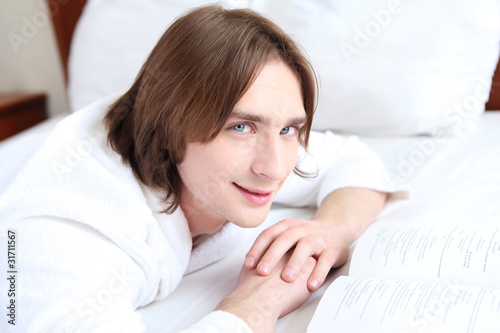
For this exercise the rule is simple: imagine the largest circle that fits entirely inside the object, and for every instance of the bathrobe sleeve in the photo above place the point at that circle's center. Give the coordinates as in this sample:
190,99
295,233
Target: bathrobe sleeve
333,162
73,279
65,287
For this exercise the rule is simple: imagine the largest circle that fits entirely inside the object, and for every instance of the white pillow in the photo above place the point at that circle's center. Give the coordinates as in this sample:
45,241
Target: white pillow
386,67
112,40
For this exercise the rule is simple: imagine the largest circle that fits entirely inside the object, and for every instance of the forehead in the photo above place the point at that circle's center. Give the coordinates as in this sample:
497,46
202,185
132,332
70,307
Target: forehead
275,95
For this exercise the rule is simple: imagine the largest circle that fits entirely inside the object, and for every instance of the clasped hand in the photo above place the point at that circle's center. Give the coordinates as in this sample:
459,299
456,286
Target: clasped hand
324,241
287,262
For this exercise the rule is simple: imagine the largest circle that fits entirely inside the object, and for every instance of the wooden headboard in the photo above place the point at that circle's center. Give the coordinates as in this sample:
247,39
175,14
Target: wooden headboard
494,102
65,16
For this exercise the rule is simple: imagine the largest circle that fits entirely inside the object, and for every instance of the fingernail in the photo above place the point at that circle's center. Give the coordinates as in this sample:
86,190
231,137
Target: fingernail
314,284
289,272
264,267
249,261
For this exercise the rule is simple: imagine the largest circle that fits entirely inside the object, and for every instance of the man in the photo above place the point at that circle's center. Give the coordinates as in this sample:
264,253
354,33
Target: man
121,197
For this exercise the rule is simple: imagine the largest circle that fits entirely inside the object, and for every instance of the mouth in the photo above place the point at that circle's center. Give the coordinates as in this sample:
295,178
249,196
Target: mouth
255,196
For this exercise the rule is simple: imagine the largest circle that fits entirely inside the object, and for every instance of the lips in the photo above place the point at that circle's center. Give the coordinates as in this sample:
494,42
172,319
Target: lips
255,196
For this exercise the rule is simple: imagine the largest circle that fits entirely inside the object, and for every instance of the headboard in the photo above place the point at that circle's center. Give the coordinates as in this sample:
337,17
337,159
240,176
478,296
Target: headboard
66,15
494,101
64,18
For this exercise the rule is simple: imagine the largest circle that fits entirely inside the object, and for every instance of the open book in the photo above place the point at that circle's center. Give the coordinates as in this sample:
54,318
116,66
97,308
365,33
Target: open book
417,278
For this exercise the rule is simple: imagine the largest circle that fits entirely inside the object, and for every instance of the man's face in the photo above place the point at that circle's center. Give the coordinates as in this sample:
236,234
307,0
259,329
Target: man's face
236,176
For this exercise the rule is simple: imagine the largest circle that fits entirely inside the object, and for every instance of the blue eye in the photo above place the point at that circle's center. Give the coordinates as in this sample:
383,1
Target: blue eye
242,128
288,130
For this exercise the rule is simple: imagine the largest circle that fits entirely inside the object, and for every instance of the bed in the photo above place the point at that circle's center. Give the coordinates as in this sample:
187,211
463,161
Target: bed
422,112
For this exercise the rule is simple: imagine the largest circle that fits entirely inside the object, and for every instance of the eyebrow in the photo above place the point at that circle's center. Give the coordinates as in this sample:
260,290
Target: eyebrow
264,120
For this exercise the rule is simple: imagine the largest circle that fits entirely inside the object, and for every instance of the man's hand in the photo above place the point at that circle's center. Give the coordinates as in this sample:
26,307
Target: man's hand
324,241
338,222
261,300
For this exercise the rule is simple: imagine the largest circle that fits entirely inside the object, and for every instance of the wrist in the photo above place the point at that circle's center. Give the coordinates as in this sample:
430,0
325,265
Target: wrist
351,210
259,315
345,229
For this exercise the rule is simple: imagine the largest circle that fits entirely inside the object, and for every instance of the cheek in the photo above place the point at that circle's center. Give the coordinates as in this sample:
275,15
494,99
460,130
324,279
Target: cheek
193,168
232,158
186,174
207,168
290,157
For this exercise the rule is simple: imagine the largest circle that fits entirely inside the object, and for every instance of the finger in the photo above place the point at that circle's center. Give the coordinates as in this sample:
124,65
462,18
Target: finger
281,245
305,248
262,244
308,268
259,247
321,270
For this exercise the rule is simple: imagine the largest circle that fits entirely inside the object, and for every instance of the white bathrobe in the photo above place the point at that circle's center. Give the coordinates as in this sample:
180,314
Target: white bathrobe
91,246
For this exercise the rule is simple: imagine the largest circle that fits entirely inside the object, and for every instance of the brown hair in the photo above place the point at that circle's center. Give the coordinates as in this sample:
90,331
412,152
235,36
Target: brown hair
197,72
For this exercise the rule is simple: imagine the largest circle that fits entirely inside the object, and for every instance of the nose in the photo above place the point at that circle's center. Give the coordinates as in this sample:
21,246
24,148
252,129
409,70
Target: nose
269,160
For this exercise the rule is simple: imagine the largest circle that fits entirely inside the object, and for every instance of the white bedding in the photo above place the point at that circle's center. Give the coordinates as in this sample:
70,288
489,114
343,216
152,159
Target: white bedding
454,178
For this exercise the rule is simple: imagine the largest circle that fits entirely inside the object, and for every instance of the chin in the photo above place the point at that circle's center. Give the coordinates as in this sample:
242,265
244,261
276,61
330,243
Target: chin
250,220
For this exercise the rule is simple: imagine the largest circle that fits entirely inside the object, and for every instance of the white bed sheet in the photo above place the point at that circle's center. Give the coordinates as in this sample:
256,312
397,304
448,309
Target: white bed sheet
451,178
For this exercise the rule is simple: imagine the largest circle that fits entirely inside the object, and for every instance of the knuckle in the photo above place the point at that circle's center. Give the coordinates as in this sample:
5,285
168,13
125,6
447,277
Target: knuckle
266,235
328,259
286,237
310,241
304,225
287,221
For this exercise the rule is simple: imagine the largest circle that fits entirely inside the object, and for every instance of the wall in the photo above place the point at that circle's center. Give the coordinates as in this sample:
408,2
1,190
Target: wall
29,58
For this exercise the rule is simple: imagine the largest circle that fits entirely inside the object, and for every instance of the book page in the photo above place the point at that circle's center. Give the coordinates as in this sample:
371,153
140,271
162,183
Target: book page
355,304
465,255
